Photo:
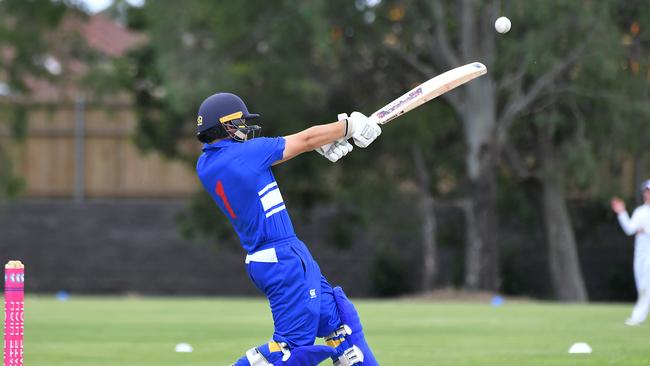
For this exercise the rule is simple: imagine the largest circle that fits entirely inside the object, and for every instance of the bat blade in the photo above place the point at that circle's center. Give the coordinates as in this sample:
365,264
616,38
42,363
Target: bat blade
428,90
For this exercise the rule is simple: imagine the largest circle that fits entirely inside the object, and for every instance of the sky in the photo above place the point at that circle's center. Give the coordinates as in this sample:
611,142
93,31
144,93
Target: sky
98,5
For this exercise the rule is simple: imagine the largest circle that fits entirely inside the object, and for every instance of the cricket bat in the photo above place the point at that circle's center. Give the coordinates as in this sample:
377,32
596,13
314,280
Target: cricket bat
428,90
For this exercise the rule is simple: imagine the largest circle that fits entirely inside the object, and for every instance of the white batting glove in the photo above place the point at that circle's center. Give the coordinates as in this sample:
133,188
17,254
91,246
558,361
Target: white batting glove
361,128
335,150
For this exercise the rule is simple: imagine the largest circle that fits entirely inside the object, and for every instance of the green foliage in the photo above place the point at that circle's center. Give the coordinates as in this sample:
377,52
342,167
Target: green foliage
204,223
10,185
388,273
15,117
22,29
18,121
254,49
23,26
597,106
299,63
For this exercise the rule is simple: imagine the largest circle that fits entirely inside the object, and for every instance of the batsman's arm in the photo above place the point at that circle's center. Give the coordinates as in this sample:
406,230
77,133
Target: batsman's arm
312,138
360,128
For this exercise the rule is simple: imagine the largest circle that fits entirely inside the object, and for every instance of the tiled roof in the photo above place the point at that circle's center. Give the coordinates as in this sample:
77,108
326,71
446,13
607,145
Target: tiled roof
108,37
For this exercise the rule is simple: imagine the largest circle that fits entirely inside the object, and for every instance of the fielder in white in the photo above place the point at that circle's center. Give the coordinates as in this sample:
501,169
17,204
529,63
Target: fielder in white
638,225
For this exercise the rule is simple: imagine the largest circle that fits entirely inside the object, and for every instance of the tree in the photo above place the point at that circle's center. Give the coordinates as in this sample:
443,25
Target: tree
433,36
273,55
323,56
23,27
566,129
631,16
296,62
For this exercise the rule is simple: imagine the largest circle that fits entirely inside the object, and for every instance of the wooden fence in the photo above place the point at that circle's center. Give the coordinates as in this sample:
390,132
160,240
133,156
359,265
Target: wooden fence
87,151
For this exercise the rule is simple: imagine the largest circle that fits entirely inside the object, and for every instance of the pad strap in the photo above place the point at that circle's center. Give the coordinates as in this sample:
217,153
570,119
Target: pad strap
263,355
351,356
337,337
256,358
347,353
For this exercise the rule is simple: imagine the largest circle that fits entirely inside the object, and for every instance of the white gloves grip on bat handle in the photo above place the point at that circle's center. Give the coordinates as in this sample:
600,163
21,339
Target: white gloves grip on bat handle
362,130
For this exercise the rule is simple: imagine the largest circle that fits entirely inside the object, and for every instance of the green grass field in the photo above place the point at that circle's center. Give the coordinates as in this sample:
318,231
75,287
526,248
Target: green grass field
113,331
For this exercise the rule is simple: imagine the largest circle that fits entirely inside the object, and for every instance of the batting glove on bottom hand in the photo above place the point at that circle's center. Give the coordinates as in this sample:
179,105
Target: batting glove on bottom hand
362,129
335,150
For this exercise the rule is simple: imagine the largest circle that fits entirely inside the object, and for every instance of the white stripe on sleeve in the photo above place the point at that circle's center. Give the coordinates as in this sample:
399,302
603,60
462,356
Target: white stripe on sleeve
273,198
268,186
275,210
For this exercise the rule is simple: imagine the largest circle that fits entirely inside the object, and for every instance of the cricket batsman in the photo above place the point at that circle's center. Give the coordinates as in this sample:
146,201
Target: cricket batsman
235,169
638,225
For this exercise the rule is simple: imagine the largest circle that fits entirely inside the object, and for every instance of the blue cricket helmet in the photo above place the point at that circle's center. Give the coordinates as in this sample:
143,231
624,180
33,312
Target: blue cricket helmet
226,112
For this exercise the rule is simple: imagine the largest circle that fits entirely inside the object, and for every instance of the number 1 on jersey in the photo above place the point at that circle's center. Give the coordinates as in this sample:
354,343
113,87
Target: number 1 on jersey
222,194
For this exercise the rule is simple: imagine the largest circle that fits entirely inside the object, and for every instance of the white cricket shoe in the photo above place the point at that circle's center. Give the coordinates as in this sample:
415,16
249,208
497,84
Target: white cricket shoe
632,322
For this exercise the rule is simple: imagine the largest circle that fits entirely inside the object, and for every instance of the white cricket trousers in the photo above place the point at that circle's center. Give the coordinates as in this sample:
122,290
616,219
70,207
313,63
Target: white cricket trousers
642,278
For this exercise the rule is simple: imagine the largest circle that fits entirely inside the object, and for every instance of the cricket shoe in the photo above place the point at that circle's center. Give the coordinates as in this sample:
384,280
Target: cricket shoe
632,322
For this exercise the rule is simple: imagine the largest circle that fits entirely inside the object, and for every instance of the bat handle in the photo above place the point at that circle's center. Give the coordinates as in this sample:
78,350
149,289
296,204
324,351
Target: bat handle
375,119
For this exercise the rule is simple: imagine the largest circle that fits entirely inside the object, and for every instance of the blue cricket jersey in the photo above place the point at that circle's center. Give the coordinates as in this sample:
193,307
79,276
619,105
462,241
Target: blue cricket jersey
238,177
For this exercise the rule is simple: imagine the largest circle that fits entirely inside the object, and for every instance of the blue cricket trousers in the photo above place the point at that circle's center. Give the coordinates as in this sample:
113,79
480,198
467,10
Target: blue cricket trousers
301,299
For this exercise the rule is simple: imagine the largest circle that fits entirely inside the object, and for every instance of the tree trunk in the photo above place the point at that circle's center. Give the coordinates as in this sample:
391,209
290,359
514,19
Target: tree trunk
479,120
427,214
563,262
481,253
564,266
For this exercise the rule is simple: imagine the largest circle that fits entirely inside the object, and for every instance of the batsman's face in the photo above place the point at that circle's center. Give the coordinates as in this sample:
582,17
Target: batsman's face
646,196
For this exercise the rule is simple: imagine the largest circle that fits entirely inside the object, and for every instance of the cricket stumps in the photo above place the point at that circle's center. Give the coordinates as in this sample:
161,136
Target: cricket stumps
14,313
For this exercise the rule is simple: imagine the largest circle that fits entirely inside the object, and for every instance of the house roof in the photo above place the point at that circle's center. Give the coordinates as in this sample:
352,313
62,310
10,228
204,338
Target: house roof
108,37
